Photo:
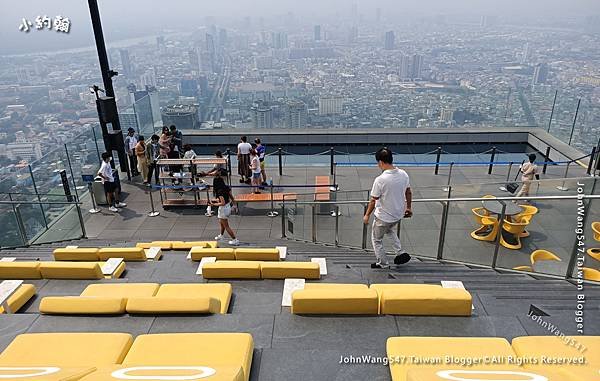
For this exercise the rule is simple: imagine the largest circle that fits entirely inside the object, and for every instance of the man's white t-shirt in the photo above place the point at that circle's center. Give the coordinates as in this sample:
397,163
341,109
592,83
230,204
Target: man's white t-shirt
244,148
132,142
390,187
106,171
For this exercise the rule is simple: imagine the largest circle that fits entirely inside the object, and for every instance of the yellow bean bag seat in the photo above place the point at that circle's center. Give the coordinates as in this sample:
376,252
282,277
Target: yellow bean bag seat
191,349
219,291
506,373
19,298
20,270
197,253
231,269
165,245
83,305
71,270
44,373
282,270
76,254
187,245
553,347
198,372
324,298
127,253
256,254
173,305
402,349
422,299
66,349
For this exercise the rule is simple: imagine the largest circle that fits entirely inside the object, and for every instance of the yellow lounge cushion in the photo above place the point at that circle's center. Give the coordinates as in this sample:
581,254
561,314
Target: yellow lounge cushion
71,270
127,253
197,253
20,270
121,290
256,254
67,349
558,347
198,372
44,373
173,305
282,270
422,299
231,269
83,305
466,348
335,299
220,291
76,254
165,245
208,349
586,373
118,271
187,245
20,297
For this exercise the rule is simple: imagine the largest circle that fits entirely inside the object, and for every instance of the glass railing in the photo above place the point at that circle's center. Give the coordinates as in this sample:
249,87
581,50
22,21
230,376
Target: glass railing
444,225
143,116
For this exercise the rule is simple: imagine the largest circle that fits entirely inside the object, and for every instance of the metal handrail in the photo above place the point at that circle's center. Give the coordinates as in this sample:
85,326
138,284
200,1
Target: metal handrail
358,202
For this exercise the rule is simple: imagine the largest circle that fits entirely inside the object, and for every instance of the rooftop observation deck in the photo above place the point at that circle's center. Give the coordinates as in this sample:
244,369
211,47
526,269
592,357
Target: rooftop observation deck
294,347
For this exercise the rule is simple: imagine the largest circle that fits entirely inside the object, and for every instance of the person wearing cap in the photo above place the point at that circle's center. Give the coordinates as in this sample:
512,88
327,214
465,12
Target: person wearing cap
529,171
131,140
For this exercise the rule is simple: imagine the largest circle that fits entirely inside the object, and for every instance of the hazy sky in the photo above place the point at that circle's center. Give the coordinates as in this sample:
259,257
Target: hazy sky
129,18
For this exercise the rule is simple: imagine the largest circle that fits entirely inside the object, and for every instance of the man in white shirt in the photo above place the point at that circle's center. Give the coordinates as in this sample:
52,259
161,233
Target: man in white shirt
243,155
528,173
110,187
131,141
391,199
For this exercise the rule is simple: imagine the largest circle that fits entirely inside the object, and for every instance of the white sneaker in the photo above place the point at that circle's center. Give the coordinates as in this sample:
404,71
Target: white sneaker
113,209
234,242
219,237
121,205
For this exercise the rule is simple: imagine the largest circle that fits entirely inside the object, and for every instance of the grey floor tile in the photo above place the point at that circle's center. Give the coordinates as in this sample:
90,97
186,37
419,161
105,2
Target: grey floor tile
13,325
135,325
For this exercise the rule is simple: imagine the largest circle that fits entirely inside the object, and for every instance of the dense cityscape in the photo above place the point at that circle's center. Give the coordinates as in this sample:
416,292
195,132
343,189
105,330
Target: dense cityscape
363,72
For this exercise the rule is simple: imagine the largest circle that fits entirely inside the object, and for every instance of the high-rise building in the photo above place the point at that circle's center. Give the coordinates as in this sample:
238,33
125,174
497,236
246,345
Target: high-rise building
390,40
526,54
194,59
280,40
211,51
446,115
417,66
126,62
296,114
148,78
160,42
185,117
188,87
404,68
23,75
317,32
330,105
222,37
540,74
128,119
262,114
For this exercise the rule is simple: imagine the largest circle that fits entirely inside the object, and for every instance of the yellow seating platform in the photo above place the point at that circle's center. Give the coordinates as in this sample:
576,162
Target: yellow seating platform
20,270
89,254
77,270
165,245
21,296
330,298
187,245
197,253
253,254
422,299
282,270
553,347
232,270
127,253
142,298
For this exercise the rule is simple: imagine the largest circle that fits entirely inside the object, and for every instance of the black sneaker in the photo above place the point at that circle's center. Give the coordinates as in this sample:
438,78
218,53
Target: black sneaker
402,258
379,266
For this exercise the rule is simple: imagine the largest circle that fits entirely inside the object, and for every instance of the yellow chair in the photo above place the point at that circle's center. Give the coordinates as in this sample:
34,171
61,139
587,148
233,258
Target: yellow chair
543,255
594,252
591,274
528,212
489,225
514,230
523,268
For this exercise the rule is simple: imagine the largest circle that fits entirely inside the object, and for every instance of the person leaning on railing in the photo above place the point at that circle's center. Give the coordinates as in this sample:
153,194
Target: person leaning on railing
391,199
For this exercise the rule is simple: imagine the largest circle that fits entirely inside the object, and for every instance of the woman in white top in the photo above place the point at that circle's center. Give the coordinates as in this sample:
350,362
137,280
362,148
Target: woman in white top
243,155
256,171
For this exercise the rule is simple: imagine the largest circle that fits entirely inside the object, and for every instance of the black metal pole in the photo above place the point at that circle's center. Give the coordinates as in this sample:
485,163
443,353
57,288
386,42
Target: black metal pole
546,160
279,153
437,160
492,160
552,112
101,48
591,162
574,121
331,160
